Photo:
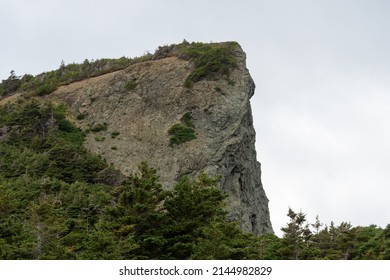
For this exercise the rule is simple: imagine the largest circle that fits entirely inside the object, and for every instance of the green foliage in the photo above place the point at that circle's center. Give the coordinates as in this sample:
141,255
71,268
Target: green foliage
296,233
47,218
183,132
80,117
211,61
136,216
48,82
49,198
10,85
58,201
178,224
187,120
192,206
99,127
40,141
223,241
305,241
130,85
196,227
100,139
115,134
46,88
218,89
271,247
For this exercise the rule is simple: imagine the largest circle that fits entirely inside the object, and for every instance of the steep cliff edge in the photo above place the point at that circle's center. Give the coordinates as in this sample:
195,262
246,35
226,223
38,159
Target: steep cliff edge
131,113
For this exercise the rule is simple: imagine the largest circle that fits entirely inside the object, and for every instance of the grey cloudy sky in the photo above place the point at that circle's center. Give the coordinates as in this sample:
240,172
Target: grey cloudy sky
321,108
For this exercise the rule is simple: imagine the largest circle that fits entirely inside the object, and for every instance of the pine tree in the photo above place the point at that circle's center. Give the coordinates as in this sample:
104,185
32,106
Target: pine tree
191,207
137,215
296,234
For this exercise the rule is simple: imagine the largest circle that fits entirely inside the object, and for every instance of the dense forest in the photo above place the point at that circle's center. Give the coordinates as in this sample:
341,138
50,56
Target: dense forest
59,201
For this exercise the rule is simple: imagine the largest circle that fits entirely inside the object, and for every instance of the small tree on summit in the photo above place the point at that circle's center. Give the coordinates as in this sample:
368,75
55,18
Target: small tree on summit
11,84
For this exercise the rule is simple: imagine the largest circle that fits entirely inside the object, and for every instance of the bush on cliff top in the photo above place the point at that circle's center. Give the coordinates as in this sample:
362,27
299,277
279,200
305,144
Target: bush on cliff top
211,61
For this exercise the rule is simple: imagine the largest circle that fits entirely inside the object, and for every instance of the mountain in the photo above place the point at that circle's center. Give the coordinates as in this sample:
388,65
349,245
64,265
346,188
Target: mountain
185,110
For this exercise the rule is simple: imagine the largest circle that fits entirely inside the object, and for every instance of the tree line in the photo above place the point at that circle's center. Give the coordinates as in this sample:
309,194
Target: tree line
303,240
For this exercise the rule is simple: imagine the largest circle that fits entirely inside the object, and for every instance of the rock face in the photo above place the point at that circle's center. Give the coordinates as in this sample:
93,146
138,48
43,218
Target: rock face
132,111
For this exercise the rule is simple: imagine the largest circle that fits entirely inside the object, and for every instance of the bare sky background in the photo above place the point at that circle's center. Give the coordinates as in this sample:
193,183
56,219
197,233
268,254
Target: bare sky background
322,68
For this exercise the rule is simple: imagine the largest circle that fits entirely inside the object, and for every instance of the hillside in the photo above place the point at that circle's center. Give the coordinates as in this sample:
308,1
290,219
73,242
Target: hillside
148,158
136,107
185,110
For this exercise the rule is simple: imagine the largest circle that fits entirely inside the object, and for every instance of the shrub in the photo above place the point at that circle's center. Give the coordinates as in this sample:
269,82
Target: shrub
115,134
187,119
181,133
46,88
210,60
100,139
130,85
45,83
99,127
42,142
10,85
80,117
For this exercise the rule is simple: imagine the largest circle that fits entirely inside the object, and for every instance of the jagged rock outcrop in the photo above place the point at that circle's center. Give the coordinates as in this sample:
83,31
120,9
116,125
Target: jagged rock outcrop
132,111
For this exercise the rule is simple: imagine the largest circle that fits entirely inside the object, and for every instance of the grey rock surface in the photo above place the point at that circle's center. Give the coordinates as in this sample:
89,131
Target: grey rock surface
141,117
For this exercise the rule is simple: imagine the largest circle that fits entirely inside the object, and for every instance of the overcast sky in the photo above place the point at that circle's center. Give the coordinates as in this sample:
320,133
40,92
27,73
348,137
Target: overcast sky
322,68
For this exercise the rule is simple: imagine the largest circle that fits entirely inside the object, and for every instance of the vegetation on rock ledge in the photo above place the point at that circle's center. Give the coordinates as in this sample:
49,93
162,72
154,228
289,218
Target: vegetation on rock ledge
211,61
182,132
48,82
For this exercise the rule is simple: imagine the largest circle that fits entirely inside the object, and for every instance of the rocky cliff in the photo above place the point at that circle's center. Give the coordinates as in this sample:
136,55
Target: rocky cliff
132,113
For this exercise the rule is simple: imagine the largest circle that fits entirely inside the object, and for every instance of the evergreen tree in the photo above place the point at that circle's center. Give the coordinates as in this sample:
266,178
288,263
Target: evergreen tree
137,215
296,234
385,248
10,85
195,224
192,206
